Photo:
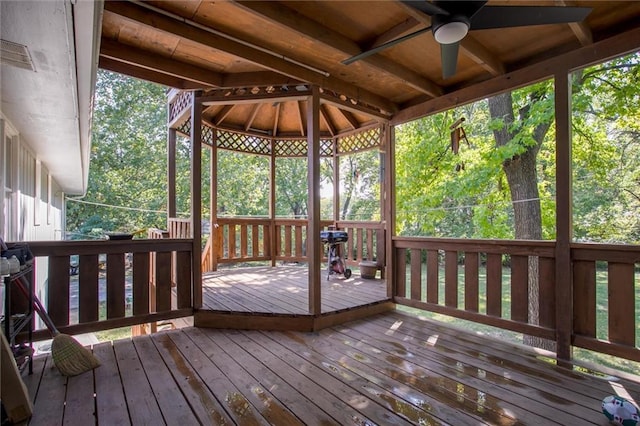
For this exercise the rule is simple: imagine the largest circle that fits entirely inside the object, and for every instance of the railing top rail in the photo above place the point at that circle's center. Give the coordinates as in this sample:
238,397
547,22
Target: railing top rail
519,247
67,248
178,220
360,224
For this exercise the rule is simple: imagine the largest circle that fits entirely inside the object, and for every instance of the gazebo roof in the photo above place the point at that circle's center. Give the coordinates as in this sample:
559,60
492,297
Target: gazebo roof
286,46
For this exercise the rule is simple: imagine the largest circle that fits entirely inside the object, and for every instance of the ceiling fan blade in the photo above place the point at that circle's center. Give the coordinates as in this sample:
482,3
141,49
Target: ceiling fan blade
426,7
384,46
459,7
518,16
449,59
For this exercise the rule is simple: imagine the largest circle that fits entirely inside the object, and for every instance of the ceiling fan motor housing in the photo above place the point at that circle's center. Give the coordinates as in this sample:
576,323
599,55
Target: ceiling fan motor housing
448,29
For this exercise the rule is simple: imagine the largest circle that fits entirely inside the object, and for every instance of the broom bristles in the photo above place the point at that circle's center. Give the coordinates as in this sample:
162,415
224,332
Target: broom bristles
70,357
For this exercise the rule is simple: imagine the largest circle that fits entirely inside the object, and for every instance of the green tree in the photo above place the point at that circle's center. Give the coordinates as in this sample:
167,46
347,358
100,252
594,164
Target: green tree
128,158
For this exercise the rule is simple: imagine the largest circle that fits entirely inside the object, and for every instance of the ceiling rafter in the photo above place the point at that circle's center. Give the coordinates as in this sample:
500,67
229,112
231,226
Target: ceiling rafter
146,74
468,45
223,113
158,63
580,29
274,131
285,17
301,118
252,116
400,30
324,114
350,118
146,15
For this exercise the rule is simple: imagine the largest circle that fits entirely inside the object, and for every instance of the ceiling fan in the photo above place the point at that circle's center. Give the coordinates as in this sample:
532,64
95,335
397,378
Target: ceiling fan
452,20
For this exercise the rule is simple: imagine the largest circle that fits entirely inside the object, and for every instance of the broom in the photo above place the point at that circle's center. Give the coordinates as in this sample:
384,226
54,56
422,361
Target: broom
69,356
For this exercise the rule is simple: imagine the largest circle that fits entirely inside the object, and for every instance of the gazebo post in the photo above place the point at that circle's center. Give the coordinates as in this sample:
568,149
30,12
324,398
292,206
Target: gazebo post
272,205
389,197
313,227
171,174
196,197
213,201
336,182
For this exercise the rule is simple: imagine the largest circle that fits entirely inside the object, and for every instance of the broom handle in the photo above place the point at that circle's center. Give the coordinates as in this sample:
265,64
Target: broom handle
37,305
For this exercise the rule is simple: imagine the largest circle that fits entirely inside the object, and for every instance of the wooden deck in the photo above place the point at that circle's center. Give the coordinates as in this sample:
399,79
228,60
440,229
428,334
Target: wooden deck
390,369
285,290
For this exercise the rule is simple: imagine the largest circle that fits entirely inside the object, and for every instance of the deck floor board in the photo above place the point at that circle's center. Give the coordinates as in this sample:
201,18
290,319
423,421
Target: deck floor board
391,368
284,290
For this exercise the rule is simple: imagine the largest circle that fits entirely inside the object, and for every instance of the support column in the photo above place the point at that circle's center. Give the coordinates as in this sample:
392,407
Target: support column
3,171
336,181
171,174
313,227
564,225
272,205
196,197
213,202
389,194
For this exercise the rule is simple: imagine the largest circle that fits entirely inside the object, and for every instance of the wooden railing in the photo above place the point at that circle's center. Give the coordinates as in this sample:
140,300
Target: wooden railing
607,278
114,286
260,239
179,228
366,242
488,281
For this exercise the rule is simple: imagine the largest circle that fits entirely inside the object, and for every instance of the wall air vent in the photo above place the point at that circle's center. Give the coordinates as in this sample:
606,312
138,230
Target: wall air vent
15,54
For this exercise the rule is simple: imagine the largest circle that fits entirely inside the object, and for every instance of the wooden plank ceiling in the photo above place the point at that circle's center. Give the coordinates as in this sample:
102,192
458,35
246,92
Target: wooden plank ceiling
216,46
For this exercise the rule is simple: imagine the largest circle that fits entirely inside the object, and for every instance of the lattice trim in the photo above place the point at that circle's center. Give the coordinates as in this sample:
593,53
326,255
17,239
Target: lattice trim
298,148
291,148
243,143
359,141
185,128
179,104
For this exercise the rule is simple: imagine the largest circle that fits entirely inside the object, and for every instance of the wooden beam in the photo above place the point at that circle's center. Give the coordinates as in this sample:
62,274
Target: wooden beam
174,25
388,193
346,105
403,28
196,197
598,52
171,173
301,122
257,78
224,112
154,62
564,226
580,29
252,116
481,55
324,114
146,74
276,119
350,118
313,227
469,45
280,15
213,200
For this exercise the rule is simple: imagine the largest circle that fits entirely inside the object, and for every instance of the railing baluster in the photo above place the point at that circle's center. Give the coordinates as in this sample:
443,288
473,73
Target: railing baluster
494,284
520,288
58,290
416,274
244,240
401,273
140,283
621,303
547,285
471,279
183,279
255,240
88,307
115,286
451,278
433,274
232,241
163,281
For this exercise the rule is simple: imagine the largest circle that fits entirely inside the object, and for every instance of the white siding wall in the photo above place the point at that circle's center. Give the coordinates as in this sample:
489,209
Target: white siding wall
33,203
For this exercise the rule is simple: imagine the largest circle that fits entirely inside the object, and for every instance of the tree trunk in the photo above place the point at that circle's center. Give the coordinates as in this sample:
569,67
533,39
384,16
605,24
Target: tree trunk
522,177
